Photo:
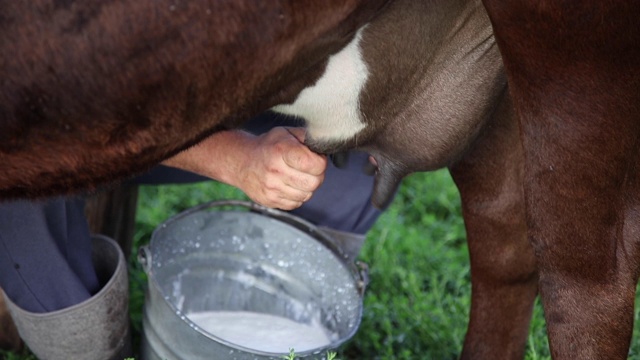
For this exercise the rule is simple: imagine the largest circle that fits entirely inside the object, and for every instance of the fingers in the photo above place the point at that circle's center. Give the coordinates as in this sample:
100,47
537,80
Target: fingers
286,171
301,165
297,132
300,158
300,180
286,188
273,192
285,200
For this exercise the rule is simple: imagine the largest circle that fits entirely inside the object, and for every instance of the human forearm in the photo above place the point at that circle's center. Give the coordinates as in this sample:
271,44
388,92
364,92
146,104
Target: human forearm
274,169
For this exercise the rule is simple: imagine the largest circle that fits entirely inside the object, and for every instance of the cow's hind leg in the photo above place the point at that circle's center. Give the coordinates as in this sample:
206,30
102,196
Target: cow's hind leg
583,212
503,268
575,83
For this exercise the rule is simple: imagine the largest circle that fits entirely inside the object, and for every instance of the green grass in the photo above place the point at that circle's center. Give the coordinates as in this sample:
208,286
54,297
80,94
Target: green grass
416,305
292,355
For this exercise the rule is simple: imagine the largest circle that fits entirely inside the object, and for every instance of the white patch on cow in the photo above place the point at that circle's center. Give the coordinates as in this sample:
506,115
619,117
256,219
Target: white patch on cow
331,106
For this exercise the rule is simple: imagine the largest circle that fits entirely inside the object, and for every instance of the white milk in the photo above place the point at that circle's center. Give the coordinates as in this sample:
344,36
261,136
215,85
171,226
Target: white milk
263,332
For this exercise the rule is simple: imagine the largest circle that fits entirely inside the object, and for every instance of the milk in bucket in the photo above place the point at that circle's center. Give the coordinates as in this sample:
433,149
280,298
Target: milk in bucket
268,332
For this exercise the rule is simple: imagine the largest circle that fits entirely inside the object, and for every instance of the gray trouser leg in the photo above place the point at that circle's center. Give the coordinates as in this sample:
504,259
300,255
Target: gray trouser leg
97,328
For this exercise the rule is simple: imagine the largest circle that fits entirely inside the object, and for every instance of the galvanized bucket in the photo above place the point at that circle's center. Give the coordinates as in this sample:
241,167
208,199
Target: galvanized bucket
212,260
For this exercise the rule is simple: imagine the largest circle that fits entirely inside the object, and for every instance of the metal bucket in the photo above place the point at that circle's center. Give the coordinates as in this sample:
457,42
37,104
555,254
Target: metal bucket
260,261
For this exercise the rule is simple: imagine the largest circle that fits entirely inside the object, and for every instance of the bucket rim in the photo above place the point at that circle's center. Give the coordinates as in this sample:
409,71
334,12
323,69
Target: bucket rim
356,267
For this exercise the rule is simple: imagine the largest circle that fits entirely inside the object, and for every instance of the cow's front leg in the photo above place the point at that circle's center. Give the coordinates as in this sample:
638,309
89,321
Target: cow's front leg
503,269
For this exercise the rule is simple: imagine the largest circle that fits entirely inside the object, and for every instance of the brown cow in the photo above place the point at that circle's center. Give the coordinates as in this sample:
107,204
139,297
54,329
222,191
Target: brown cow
93,92
574,74
443,104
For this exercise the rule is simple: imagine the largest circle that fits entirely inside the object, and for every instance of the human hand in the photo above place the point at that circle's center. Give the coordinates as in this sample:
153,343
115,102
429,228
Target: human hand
274,169
280,171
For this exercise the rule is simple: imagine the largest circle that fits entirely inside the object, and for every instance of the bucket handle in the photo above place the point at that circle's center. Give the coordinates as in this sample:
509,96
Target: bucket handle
361,269
144,258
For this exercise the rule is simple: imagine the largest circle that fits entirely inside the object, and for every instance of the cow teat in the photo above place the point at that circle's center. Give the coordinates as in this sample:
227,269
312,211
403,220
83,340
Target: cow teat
388,172
339,159
388,176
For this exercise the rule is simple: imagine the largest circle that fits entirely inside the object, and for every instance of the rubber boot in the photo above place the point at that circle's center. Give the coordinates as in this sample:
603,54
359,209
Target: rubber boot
348,242
96,329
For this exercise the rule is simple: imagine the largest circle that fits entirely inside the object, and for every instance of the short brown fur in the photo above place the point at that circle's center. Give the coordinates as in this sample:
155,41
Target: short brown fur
574,74
96,91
